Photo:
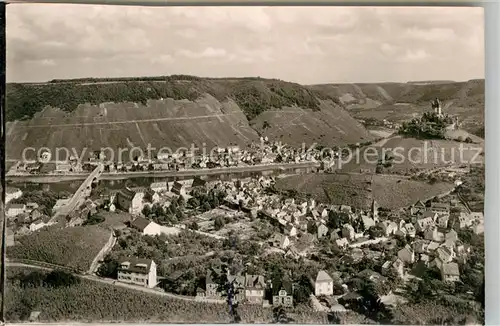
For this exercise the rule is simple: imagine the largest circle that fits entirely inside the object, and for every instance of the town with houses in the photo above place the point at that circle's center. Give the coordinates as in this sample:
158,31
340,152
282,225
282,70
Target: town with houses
397,247
264,153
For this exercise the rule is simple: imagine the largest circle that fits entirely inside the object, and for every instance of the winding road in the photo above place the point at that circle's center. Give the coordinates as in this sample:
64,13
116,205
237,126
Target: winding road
119,284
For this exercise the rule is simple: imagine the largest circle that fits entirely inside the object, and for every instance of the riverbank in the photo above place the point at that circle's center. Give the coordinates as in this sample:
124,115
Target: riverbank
51,178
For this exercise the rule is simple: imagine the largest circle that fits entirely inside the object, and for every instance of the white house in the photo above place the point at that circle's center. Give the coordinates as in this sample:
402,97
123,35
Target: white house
410,229
322,230
323,284
290,230
389,227
478,226
130,201
15,209
423,223
159,186
151,228
342,243
137,271
450,272
348,232
407,255
432,234
12,193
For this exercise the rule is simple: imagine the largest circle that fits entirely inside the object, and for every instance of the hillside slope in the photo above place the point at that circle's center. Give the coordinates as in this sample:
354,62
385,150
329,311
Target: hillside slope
401,101
360,190
172,112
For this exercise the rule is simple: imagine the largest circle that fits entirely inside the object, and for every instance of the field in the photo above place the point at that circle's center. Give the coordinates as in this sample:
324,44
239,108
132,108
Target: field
394,192
411,153
359,190
72,247
90,301
435,313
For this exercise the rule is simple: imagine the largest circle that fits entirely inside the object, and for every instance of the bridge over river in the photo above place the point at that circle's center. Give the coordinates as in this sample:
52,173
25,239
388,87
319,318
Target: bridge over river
80,195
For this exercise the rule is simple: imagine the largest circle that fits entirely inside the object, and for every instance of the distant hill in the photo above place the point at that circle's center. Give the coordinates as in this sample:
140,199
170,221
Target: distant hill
402,101
173,111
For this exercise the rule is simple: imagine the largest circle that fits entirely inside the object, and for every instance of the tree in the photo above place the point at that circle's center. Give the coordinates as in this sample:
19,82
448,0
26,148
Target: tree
109,267
312,227
158,210
194,226
302,290
218,223
206,206
193,202
146,210
375,232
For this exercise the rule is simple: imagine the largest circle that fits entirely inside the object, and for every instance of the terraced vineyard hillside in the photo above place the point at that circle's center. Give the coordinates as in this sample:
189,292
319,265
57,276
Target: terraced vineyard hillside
357,190
172,111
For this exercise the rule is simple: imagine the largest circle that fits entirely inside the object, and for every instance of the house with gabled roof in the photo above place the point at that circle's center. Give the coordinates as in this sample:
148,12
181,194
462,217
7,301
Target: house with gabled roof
130,200
137,271
423,223
280,241
199,183
417,208
440,208
282,292
450,272
389,227
15,209
211,286
160,186
407,255
323,285
348,231
290,230
12,193
178,188
238,284
255,286
322,230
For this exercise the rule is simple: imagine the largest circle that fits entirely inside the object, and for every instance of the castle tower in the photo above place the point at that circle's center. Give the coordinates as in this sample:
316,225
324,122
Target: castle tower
436,106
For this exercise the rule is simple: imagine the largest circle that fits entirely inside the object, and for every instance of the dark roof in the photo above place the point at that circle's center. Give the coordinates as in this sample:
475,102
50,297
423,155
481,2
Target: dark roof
440,205
127,193
237,280
177,186
140,223
135,265
198,182
255,281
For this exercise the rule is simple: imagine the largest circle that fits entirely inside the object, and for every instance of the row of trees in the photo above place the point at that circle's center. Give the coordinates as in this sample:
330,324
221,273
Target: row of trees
254,96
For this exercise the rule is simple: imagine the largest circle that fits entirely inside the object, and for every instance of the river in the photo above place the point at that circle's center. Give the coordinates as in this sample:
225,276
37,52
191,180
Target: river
72,186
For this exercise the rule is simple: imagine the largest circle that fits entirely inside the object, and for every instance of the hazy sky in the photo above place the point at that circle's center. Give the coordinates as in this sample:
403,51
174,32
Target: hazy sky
301,44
